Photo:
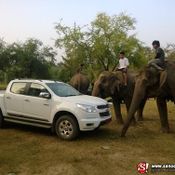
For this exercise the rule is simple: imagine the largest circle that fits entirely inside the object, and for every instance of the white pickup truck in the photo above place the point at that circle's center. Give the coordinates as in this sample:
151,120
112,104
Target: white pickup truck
52,104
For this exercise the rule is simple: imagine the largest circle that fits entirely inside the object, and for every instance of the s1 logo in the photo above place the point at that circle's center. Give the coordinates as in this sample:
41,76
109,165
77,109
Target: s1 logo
142,167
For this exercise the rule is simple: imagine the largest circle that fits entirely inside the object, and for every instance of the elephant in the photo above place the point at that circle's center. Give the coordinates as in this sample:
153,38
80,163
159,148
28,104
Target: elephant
80,82
111,84
152,83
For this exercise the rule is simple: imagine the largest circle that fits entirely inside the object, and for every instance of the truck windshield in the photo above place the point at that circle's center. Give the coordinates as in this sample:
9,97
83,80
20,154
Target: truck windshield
63,90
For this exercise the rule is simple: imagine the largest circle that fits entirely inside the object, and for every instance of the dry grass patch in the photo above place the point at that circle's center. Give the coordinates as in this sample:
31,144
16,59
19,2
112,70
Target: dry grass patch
34,151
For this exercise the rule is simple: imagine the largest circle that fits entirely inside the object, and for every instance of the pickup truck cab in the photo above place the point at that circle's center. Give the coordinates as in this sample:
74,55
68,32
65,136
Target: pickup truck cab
52,104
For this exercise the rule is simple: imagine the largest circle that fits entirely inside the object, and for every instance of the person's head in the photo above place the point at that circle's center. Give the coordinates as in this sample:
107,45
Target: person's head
122,55
80,68
82,65
155,44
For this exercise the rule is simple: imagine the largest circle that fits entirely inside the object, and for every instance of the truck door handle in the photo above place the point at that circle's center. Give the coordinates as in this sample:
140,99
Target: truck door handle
46,104
8,97
26,100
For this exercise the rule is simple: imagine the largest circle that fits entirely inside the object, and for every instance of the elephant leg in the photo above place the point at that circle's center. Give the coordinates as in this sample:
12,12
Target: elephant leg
125,127
117,110
140,111
172,86
163,113
128,103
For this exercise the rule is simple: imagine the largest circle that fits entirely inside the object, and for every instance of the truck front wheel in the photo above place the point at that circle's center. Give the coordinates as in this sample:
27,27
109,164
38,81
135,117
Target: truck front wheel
66,127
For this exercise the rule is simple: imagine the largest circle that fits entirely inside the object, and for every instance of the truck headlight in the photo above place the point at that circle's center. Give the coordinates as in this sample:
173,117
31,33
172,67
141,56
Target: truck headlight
87,108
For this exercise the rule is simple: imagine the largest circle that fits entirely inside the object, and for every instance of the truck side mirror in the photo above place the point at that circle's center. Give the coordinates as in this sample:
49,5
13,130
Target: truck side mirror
45,95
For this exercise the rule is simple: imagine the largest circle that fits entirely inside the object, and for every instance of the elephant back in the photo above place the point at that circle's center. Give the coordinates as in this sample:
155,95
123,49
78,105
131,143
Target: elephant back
80,82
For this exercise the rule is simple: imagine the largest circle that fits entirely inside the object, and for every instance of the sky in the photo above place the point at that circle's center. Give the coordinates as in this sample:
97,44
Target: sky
23,19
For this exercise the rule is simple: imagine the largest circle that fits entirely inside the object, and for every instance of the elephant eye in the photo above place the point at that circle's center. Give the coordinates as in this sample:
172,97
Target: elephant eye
103,80
113,78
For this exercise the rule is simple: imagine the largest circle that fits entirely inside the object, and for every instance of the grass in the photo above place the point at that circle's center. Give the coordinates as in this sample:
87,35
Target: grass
3,86
34,151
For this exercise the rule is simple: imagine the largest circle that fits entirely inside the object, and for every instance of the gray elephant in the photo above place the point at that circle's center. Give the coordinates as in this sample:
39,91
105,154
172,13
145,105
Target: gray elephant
80,82
111,84
151,83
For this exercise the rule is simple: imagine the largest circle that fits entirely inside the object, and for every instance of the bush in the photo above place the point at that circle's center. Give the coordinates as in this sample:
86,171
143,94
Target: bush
3,86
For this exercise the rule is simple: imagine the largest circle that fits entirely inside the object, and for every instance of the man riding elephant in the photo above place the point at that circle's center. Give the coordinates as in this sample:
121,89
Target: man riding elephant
159,60
155,81
150,84
123,66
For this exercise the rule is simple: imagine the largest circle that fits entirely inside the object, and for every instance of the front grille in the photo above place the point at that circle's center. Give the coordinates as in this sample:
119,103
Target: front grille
103,106
104,114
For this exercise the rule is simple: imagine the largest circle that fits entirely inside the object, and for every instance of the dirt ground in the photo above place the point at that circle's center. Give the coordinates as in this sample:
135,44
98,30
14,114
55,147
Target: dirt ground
34,151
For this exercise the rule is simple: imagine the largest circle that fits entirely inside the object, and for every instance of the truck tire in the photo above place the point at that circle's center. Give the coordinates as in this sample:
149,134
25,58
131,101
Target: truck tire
1,120
66,127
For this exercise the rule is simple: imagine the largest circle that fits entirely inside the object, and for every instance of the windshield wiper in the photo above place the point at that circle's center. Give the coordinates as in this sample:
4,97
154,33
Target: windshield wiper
71,95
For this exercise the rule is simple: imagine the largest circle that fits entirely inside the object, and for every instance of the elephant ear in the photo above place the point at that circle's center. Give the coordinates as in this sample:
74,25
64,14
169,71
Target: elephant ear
152,76
163,78
151,73
116,84
119,76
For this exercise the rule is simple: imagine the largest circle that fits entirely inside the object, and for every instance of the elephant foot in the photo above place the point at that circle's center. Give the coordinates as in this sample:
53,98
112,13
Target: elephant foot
165,130
134,122
122,135
120,122
139,118
123,132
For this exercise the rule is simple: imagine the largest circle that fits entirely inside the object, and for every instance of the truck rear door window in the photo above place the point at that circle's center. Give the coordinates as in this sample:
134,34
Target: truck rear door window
18,88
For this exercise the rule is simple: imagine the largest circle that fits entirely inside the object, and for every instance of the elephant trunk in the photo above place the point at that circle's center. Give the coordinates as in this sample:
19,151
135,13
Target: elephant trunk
138,96
96,90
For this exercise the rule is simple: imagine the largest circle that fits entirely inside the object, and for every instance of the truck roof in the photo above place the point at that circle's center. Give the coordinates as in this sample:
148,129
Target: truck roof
36,80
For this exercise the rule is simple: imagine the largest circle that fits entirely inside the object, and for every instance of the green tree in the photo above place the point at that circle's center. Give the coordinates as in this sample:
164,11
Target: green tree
98,44
30,59
170,51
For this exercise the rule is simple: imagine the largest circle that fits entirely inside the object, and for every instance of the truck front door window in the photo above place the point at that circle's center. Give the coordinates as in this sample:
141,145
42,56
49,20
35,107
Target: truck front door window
35,105
35,90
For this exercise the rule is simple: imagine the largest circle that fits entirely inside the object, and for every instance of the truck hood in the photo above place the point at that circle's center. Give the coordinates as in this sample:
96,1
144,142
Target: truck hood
86,99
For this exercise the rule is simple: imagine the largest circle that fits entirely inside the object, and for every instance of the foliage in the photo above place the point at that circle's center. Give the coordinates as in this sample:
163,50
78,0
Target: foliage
170,51
98,44
95,45
3,86
25,60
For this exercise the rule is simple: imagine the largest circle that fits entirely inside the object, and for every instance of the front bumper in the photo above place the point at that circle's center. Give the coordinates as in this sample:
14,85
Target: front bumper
93,123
